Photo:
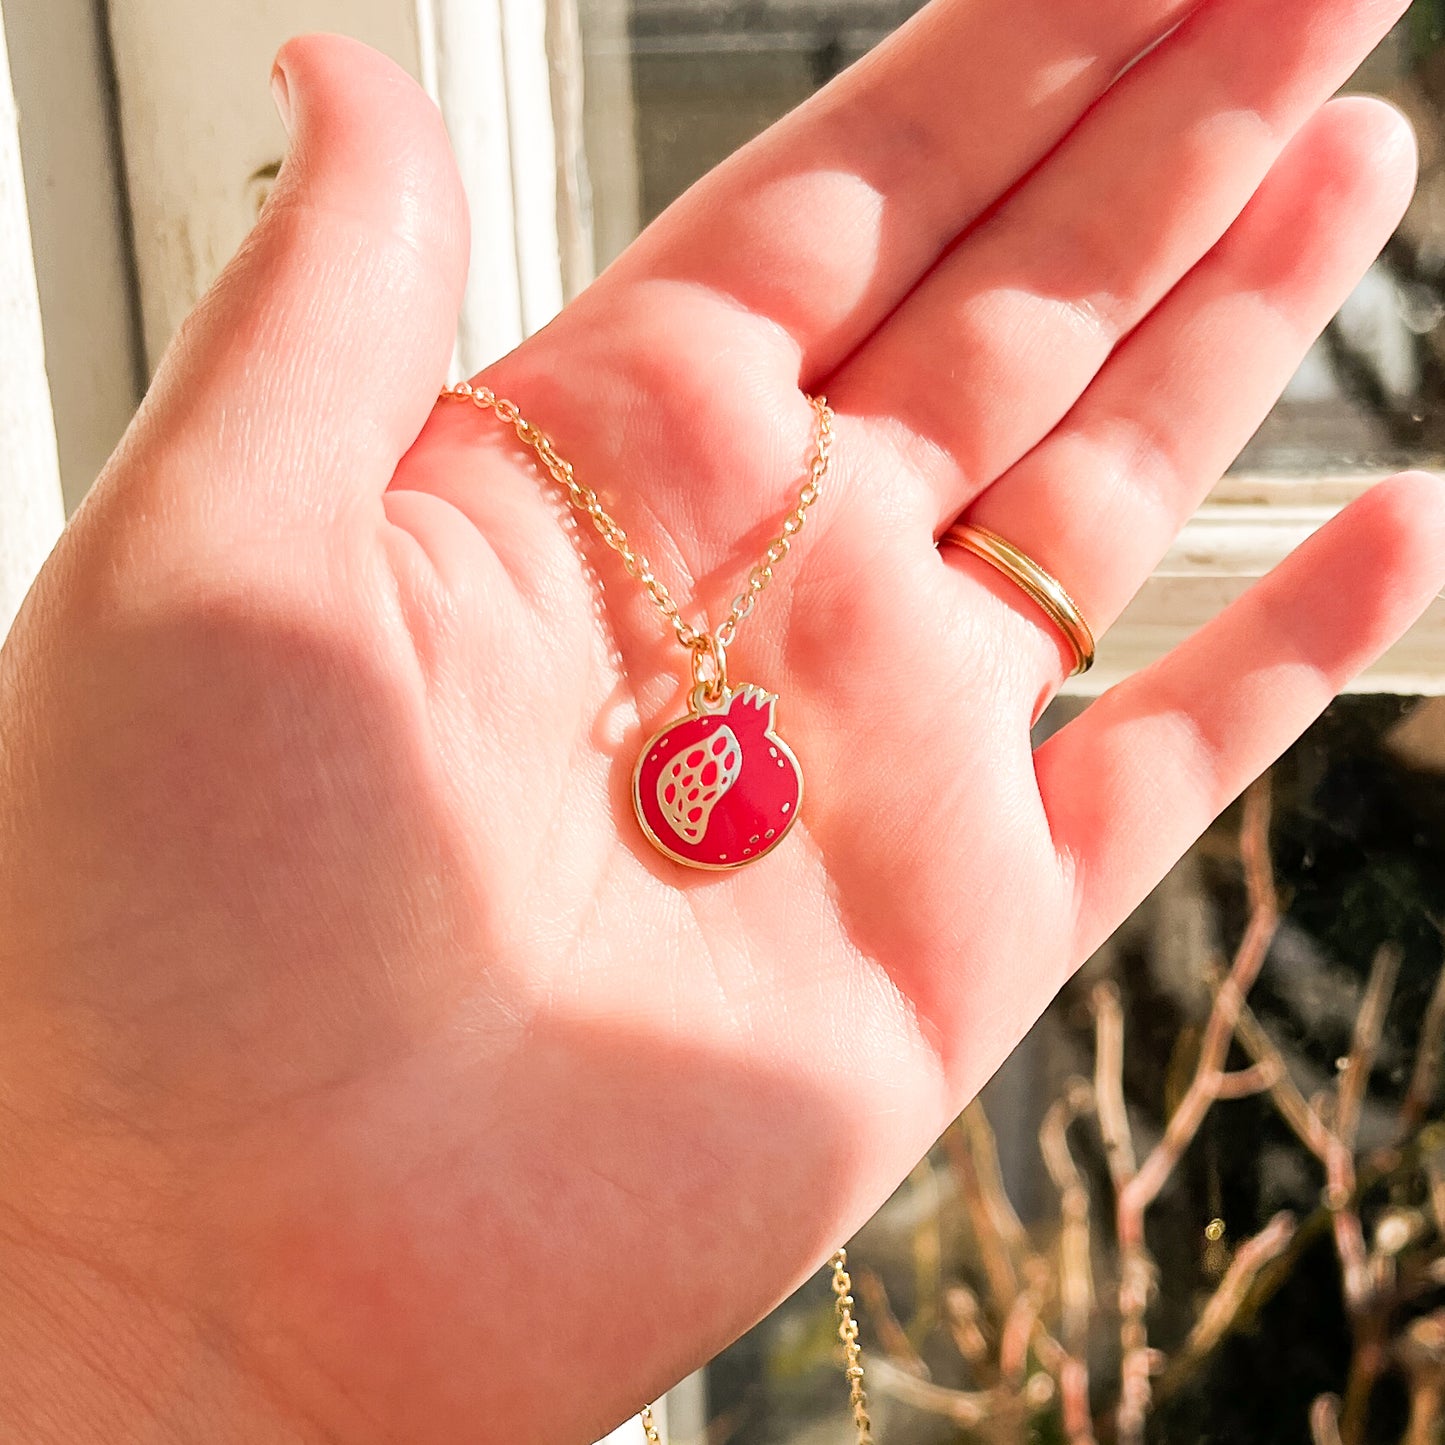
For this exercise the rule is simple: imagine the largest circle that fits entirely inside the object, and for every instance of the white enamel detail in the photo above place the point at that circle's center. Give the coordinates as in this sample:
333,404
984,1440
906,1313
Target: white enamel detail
720,750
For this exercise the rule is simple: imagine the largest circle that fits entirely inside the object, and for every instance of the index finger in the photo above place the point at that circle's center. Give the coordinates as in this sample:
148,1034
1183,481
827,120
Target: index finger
826,221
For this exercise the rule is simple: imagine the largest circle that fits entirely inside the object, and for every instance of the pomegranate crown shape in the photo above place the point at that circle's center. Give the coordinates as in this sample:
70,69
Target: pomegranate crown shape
751,709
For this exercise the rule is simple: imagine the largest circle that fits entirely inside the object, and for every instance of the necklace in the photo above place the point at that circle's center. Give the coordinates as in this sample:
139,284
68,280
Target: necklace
718,788
725,748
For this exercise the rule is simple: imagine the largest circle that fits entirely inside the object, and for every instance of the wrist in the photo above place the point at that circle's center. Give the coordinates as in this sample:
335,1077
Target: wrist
91,1355
87,1360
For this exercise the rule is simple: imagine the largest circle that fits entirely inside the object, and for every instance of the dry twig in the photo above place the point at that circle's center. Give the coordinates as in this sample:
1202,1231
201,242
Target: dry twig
1109,1082
1244,1083
1365,1043
1425,1077
1223,1306
968,1408
1137,1193
1325,1420
927,1248
960,1308
1002,1243
892,1337
1369,1326
1421,1353
1076,1279
1294,1108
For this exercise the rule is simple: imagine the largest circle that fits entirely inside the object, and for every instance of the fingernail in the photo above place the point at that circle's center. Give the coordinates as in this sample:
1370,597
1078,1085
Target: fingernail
281,93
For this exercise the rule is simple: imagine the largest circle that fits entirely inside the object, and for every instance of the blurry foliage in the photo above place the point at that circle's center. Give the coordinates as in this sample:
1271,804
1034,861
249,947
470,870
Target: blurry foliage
1427,28
1322,1314
1230,1225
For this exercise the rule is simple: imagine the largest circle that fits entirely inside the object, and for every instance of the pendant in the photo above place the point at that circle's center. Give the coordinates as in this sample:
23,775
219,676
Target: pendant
718,788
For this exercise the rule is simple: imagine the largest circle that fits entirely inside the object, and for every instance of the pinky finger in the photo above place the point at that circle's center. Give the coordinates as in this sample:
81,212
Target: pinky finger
1131,783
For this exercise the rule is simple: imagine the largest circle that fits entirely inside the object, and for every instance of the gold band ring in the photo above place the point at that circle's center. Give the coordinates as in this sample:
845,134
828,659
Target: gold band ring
1045,589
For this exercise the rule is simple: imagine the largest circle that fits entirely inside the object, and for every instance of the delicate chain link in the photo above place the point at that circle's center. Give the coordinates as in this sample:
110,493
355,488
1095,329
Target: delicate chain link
791,525
852,1351
585,500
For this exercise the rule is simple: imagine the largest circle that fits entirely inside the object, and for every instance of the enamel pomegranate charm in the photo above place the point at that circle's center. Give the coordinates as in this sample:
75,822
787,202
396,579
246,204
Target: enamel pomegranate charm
718,788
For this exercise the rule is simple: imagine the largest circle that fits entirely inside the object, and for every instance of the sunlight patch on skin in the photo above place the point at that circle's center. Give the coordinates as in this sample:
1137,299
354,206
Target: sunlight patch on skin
726,997
1049,81
788,206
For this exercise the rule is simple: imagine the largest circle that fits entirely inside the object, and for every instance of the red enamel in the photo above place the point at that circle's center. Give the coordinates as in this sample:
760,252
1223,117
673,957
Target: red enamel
752,816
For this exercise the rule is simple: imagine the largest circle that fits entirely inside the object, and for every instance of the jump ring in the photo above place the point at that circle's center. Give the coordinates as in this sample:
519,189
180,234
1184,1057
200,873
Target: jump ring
709,666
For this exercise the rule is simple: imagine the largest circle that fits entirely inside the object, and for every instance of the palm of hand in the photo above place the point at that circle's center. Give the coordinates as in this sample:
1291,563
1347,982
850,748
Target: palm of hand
454,1089
761,1054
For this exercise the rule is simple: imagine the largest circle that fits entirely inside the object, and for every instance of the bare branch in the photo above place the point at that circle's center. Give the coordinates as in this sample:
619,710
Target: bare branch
1076,1276
1369,1025
984,1144
1136,1286
1427,1410
1421,1353
1345,1223
960,1306
1136,1194
1002,1242
1109,1082
1259,884
1244,1083
1325,1420
927,1247
1018,1331
1222,1310
1141,1191
1074,1401
1076,1279
1367,1363
1434,1166
892,1337
1296,1111
969,1408
1425,1079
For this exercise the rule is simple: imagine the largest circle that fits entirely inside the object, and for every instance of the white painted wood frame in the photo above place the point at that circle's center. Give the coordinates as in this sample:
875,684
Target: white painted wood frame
201,140
200,137
70,149
1246,528
31,511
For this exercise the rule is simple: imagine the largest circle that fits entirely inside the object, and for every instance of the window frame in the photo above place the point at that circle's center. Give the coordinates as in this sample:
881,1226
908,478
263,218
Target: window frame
536,94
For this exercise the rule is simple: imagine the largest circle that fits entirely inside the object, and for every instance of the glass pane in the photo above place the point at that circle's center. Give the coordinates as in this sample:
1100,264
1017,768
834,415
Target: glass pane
676,86
1242,1351
1249,1328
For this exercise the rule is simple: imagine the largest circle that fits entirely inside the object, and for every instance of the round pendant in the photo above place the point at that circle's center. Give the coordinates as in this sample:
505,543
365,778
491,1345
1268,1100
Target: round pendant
718,788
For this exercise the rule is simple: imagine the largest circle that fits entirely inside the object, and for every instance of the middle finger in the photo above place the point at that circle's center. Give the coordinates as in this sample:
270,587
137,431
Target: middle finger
996,344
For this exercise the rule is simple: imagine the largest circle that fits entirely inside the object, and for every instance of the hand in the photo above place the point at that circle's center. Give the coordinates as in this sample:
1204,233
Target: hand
365,1074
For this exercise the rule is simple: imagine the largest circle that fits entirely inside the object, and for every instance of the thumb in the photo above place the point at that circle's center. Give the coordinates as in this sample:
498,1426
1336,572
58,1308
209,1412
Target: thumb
309,367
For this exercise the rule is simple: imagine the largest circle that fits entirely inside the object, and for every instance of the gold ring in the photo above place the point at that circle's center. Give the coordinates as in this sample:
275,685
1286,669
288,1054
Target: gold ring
1045,589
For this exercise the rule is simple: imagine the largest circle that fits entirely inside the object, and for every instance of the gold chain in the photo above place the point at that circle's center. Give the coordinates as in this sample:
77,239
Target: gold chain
697,640
852,1358
852,1351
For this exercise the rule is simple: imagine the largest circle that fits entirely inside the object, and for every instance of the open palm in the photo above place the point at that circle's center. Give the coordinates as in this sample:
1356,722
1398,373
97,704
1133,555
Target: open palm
365,1062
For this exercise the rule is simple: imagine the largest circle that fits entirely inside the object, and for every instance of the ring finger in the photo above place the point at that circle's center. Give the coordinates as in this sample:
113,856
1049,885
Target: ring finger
1100,500
1016,321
